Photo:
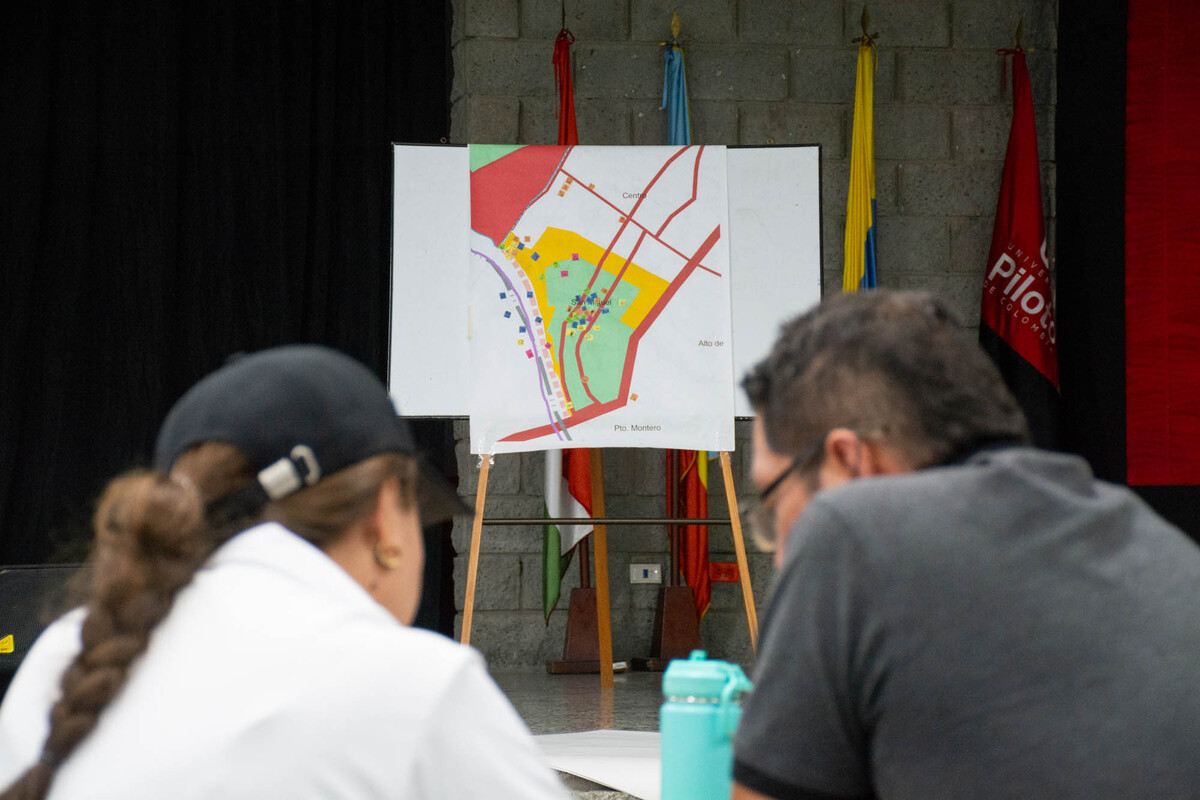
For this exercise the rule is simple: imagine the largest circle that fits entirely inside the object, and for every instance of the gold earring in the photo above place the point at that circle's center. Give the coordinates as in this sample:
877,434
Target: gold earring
388,557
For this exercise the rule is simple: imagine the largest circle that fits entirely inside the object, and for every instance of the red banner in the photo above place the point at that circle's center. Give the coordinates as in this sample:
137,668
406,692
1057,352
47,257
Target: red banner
1017,300
1162,246
1017,326
693,556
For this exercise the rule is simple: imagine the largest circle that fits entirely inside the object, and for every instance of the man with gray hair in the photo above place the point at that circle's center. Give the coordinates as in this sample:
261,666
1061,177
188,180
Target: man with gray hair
955,613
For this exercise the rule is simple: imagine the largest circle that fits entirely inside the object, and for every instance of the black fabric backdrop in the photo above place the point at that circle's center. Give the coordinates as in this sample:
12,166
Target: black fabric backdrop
1090,227
180,181
1090,147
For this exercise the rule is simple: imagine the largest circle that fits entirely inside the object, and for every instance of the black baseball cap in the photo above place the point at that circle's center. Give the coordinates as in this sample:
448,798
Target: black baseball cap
299,413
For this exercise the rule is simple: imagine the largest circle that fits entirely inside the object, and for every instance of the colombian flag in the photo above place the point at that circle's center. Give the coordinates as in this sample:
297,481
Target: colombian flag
858,271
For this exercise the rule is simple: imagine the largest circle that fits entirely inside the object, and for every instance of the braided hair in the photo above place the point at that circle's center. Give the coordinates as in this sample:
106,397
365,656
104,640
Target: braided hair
147,547
152,533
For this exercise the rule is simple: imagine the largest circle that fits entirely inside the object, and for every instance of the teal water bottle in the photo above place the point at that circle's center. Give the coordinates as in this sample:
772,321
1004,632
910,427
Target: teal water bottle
700,711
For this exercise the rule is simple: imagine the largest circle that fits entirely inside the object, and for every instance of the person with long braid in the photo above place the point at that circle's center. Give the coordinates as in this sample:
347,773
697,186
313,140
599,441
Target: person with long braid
245,632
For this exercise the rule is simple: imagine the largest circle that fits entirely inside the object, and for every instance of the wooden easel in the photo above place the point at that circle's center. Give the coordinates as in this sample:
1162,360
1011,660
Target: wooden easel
600,533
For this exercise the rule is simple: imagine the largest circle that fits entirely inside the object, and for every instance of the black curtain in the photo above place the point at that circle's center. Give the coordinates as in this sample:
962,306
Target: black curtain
181,181
1090,146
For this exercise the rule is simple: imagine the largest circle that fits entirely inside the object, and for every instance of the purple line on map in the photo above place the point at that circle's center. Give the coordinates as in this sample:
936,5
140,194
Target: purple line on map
525,317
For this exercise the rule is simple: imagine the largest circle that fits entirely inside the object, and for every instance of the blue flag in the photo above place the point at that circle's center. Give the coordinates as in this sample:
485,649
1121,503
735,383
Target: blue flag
675,99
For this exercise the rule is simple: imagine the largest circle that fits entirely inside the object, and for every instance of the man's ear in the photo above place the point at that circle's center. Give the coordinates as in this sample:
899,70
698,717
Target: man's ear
848,456
843,456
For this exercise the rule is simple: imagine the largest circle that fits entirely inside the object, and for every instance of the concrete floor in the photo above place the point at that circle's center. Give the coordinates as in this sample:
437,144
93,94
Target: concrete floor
571,703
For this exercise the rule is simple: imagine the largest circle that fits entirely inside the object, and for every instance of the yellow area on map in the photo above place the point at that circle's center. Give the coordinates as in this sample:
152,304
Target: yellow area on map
6,644
557,244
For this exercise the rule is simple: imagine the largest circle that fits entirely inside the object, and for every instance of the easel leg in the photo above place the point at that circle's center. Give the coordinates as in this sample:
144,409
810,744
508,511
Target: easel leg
603,608
739,546
473,561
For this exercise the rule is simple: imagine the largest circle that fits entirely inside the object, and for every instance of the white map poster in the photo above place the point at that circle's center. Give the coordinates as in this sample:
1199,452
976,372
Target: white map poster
600,299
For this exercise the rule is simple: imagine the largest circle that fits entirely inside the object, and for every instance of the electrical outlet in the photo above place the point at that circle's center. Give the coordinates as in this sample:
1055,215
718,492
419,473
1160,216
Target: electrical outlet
645,573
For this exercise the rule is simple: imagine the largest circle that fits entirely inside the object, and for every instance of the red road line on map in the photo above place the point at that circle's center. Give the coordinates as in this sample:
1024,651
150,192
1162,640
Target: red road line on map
546,188
629,216
600,264
692,199
595,315
628,259
684,274
593,411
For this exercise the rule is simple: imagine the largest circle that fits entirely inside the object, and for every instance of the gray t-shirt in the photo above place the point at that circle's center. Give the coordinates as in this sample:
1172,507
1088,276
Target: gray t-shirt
1007,627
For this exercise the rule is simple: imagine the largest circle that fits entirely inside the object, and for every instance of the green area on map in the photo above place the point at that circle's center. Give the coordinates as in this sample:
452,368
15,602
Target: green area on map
604,355
483,154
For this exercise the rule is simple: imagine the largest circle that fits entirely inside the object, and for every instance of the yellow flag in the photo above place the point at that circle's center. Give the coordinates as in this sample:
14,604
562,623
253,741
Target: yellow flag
858,270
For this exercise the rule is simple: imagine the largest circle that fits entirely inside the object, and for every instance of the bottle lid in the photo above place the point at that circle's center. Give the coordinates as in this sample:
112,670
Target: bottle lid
697,676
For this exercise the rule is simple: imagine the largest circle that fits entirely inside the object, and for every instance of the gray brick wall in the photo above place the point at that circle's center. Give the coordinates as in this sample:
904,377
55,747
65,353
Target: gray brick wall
759,72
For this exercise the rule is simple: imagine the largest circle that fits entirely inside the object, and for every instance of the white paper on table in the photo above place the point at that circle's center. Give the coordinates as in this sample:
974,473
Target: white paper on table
627,761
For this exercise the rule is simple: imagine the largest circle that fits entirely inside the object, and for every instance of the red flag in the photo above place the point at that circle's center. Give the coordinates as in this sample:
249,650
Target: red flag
576,463
693,556
564,82
1017,315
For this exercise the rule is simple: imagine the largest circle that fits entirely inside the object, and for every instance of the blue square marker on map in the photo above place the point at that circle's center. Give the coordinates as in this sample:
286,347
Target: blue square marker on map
507,314
521,329
520,245
537,319
535,256
503,295
605,311
529,294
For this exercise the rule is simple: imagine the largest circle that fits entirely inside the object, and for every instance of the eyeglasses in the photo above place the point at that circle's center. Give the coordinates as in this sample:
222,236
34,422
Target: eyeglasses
760,516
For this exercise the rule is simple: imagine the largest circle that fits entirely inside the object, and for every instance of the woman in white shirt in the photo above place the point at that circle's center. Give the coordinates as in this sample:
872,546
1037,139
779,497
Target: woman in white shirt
246,631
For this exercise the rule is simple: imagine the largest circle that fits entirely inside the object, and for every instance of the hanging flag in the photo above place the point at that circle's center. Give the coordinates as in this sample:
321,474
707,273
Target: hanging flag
1017,314
564,83
858,270
693,555
675,100
693,476
568,472
568,494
